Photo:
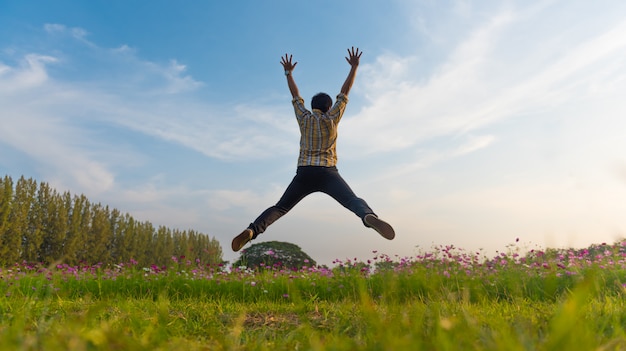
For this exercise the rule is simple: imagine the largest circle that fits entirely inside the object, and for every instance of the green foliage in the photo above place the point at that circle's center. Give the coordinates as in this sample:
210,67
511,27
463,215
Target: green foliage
37,224
274,254
6,199
421,304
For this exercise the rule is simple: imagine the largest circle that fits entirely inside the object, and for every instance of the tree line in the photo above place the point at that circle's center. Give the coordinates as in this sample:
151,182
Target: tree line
39,224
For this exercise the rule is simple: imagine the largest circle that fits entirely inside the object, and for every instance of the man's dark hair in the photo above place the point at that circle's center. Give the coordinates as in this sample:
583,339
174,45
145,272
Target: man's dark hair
322,102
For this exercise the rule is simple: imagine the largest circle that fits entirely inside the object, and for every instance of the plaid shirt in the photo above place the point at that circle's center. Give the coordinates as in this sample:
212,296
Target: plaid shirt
318,132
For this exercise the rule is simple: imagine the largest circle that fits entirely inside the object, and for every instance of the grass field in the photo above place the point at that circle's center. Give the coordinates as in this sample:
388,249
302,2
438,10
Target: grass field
444,299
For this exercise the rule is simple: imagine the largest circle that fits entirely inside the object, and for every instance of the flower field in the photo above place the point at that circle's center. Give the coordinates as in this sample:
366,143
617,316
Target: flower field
442,299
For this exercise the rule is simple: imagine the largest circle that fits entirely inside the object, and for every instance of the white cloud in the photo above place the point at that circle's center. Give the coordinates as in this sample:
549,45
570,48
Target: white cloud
404,111
479,84
221,200
54,27
31,74
123,51
250,201
57,121
176,81
77,33
474,144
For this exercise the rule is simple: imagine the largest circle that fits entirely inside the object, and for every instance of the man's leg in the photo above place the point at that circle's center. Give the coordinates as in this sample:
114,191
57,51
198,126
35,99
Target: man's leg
335,186
296,191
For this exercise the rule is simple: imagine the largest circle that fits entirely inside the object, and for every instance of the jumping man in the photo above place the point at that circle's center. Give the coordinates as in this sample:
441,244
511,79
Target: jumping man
317,161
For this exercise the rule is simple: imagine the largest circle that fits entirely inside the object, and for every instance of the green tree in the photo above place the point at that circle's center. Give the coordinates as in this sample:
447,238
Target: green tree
6,199
203,248
125,239
181,244
74,247
99,236
55,227
31,205
115,223
211,250
274,254
142,244
16,236
38,224
168,247
163,250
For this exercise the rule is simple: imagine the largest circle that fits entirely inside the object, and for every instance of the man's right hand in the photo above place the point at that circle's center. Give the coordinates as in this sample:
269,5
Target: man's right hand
289,66
354,56
286,62
353,59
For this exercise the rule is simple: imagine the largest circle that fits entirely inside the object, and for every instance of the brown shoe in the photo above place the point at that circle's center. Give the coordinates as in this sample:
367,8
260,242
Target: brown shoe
242,239
383,228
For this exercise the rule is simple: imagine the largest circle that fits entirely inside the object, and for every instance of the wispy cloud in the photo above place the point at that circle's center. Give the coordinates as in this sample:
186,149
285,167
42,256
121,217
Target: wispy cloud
474,144
409,110
76,32
485,79
30,74
57,120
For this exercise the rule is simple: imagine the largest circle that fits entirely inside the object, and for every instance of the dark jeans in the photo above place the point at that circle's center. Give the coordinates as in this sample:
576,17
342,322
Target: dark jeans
310,179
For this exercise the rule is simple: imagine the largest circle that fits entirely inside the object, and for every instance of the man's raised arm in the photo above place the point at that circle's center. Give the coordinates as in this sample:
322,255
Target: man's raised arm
353,59
288,66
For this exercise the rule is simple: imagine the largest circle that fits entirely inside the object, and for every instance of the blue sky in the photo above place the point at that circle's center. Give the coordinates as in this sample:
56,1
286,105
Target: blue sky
470,123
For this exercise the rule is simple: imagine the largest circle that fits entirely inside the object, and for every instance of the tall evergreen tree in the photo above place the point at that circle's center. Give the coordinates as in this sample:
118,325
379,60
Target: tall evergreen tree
40,221
18,233
126,240
116,226
99,236
143,243
169,246
57,227
6,200
181,243
162,253
73,250
38,224
212,252
30,233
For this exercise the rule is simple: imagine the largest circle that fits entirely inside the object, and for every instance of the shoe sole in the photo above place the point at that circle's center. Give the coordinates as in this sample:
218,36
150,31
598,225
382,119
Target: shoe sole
383,228
241,240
